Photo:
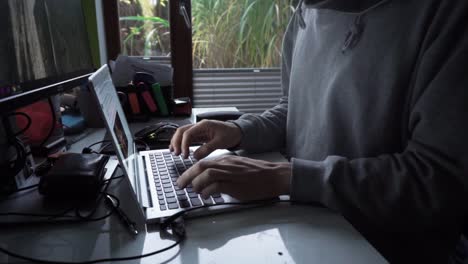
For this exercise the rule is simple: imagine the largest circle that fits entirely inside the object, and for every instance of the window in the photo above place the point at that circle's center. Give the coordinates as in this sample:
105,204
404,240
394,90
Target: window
234,54
144,28
237,52
225,34
239,34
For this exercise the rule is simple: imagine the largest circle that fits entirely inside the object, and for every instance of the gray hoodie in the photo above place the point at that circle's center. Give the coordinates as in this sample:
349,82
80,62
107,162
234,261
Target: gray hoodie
375,119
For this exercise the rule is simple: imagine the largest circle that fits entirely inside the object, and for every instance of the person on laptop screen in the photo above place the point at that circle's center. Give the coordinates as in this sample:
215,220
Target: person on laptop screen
374,119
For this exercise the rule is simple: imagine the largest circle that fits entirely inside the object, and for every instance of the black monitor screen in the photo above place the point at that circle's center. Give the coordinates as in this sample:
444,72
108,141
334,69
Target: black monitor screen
42,42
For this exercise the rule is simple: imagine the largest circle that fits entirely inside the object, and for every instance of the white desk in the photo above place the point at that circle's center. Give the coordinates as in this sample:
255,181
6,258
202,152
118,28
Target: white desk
276,234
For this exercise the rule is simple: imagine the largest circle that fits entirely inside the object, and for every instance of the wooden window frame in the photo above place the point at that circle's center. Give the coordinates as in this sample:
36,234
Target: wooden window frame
181,43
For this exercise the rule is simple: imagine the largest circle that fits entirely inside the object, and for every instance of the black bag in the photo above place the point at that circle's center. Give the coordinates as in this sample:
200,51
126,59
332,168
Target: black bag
74,177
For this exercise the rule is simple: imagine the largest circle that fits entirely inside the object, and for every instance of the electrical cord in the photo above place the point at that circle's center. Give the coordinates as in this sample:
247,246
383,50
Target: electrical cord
26,188
12,254
177,228
12,168
64,214
54,120
168,221
106,185
28,125
178,235
89,149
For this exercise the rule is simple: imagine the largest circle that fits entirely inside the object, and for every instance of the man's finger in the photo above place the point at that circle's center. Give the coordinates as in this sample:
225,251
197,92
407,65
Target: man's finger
187,177
219,187
177,138
204,150
208,177
190,135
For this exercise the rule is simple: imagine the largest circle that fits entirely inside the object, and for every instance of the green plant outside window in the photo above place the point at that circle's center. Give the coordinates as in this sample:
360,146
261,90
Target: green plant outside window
226,33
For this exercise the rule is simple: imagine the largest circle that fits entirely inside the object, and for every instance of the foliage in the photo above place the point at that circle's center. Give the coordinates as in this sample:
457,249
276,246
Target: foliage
226,33
144,33
242,33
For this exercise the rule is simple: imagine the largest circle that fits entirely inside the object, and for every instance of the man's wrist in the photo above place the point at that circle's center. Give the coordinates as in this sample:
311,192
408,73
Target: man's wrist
284,174
238,136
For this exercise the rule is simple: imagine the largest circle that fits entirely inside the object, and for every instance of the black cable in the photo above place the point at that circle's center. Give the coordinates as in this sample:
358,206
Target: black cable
63,214
27,188
164,225
12,168
143,143
99,142
89,149
168,221
106,185
12,254
54,120
113,178
28,125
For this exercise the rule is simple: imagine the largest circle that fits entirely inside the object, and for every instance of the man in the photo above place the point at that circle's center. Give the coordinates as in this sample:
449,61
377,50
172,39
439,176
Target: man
375,121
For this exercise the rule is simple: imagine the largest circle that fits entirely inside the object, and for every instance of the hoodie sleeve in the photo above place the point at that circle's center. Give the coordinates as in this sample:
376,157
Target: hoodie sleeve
267,132
425,186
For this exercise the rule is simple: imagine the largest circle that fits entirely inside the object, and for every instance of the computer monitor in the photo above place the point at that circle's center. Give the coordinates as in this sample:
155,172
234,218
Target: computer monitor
44,50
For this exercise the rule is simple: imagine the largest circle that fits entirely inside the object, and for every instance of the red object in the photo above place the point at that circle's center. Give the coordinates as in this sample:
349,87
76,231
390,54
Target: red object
41,117
132,97
182,106
149,101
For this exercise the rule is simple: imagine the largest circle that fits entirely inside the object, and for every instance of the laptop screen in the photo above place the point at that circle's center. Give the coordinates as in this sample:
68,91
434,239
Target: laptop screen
114,119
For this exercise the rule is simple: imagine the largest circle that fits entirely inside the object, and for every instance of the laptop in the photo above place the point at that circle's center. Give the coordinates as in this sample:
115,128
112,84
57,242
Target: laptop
151,174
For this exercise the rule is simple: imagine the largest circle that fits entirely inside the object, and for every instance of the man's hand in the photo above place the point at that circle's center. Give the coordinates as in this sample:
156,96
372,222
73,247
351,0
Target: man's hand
214,134
239,177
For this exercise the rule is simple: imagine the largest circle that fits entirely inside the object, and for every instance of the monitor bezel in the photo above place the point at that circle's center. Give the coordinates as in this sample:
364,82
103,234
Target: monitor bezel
43,88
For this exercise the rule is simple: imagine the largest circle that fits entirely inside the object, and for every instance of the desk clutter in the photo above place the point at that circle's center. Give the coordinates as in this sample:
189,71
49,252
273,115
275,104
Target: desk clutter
145,89
144,97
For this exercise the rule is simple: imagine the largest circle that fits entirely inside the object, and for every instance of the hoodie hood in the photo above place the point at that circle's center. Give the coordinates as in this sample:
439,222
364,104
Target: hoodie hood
357,7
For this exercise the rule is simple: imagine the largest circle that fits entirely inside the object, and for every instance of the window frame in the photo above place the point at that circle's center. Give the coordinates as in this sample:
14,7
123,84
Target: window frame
181,43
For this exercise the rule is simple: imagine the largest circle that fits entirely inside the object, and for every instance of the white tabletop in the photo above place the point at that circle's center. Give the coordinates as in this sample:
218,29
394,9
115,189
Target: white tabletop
280,233
276,234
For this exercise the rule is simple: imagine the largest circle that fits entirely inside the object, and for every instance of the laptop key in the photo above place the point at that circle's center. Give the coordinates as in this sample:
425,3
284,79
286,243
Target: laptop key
163,208
208,201
168,190
162,202
171,200
173,206
167,185
180,192
218,200
196,202
193,195
184,204
161,197
182,198
170,195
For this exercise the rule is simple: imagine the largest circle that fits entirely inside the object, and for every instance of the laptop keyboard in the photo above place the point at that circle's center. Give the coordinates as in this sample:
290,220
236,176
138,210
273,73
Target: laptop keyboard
166,170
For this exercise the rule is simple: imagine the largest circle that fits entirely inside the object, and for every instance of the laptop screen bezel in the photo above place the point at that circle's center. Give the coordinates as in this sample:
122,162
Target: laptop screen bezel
109,105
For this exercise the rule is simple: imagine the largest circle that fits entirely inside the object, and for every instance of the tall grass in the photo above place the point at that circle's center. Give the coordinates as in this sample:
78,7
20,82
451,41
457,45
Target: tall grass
239,33
226,33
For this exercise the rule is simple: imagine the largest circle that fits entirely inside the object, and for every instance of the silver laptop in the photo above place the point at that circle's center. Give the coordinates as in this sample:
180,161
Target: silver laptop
152,174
